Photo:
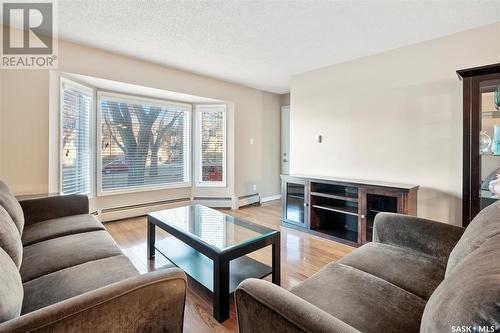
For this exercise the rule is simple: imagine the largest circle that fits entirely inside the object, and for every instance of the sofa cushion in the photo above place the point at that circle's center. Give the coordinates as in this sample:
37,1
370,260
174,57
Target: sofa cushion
10,241
58,253
470,293
407,269
363,301
11,288
12,206
76,280
59,227
483,227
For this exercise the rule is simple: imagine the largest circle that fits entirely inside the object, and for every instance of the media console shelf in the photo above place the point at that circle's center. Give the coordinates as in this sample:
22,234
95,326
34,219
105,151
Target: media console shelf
342,209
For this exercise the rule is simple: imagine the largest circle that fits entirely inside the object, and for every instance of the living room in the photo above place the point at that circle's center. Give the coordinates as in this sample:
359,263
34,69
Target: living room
225,166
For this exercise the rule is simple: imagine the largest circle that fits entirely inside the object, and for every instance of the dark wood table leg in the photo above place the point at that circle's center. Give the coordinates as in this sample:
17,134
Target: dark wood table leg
221,289
151,239
277,260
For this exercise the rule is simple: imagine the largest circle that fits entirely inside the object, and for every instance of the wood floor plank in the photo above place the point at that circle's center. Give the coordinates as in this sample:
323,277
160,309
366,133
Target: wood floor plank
302,255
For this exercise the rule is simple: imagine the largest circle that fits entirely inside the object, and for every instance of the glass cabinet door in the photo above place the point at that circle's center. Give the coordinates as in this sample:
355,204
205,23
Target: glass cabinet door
377,203
481,139
489,142
294,203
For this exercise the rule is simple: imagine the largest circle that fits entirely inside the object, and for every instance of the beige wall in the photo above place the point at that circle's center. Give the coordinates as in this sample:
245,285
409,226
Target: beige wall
285,99
1,127
271,121
25,151
25,130
395,116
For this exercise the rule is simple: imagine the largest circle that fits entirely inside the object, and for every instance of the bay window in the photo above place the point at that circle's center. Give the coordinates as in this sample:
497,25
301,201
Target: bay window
114,143
143,143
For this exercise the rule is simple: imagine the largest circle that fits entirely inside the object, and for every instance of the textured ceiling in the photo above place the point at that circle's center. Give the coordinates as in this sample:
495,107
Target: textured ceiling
262,44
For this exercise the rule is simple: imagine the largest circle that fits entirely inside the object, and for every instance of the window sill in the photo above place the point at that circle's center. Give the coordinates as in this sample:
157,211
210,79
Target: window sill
211,185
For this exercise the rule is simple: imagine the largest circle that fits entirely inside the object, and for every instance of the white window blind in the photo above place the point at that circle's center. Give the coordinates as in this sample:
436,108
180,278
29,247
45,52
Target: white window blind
143,143
76,138
211,152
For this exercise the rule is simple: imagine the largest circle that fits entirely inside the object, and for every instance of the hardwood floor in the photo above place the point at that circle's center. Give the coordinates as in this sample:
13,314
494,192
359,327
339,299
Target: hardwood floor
302,255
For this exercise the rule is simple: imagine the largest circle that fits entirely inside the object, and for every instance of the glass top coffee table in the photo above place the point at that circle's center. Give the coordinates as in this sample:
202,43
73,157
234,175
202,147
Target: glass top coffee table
210,246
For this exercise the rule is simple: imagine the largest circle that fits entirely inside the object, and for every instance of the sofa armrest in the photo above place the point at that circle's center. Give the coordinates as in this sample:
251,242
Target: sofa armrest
153,302
36,210
264,307
425,236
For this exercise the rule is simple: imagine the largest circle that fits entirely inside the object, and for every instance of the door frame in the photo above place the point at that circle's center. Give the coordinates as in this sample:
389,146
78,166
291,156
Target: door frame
285,139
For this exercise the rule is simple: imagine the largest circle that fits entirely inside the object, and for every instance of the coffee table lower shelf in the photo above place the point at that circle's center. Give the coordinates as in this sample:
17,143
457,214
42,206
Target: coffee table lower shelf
200,267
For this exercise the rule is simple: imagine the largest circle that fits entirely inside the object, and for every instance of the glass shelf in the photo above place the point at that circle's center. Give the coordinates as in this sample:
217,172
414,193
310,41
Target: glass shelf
491,114
488,195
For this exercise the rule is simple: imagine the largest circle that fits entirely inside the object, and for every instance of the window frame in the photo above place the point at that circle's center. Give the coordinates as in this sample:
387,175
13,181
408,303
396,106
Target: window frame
130,98
63,81
198,168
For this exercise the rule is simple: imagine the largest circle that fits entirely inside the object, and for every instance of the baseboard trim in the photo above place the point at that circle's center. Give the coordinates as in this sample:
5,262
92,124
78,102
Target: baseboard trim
118,213
270,198
248,200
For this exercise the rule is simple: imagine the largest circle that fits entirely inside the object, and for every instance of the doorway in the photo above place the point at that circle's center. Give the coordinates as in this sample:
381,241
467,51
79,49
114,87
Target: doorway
285,140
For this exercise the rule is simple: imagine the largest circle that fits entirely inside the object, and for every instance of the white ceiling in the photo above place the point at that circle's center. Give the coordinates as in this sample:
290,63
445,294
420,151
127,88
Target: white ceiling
262,44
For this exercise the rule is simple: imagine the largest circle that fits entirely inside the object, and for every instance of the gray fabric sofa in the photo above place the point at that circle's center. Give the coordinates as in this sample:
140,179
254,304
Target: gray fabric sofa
60,271
417,275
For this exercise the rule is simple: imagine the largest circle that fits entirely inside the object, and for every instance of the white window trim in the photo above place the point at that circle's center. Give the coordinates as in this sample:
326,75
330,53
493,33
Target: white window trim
70,82
199,109
154,102
119,97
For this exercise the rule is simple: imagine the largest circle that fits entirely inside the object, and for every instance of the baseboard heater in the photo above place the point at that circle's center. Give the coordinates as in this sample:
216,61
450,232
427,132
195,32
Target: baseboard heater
118,213
219,202
248,200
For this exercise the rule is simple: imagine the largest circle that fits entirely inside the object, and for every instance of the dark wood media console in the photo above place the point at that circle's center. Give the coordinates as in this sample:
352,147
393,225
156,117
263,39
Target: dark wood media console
342,209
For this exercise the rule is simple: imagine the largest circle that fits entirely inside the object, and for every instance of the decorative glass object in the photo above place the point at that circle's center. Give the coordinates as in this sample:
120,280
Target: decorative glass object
497,98
484,142
495,186
495,147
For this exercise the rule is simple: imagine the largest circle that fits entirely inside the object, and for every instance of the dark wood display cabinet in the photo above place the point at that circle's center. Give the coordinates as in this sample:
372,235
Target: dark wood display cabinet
342,209
481,138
